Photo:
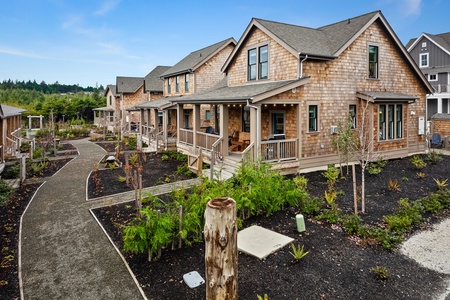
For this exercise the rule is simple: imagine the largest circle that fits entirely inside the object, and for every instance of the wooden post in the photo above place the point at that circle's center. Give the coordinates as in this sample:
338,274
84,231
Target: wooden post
221,249
355,194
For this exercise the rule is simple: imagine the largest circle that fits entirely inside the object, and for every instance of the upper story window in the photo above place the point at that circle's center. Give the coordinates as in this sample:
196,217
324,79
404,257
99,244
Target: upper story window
186,83
177,84
352,113
169,85
373,61
110,100
432,77
313,119
258,63
423,60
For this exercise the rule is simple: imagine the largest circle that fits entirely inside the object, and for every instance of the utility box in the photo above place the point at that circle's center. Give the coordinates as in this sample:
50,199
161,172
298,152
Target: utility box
300,223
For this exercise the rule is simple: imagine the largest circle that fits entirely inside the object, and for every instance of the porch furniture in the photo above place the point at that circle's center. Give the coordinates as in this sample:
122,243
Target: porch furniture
436,141
241,143
231,137
209,129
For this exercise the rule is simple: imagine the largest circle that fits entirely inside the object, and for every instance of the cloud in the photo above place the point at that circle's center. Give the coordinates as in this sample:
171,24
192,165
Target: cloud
16,52
106,7
412,7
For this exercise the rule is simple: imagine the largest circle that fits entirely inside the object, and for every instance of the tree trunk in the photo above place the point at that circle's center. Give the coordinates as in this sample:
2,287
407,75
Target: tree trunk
355,194
221,249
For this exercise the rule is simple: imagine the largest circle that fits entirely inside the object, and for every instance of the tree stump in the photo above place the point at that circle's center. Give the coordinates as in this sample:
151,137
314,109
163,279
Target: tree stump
221,249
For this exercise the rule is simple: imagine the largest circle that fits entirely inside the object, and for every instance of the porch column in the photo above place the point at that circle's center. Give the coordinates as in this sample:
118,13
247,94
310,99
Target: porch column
155,112
196,123
141,120
165,128
179,120
223,127
256,128
40,121
439,105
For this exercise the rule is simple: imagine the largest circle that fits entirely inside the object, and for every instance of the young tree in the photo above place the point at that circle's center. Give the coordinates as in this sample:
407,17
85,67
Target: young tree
345,141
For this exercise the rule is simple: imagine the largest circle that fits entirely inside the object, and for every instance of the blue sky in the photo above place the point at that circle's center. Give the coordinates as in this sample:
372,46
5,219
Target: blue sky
89,42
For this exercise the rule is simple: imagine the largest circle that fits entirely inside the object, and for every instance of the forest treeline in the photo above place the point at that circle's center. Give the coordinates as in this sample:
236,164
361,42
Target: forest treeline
53,88
65,106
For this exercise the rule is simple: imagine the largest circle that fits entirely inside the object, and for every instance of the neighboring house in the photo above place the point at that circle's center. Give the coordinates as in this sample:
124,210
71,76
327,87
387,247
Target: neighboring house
107,117
154,89
132,93
198,71
431,52
289,86
10,137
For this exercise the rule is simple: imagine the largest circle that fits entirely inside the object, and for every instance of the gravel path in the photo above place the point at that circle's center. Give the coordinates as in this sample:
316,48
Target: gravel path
432,250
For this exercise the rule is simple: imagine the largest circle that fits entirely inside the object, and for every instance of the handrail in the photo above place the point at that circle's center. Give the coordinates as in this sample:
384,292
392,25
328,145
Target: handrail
159,136
247,150
213,156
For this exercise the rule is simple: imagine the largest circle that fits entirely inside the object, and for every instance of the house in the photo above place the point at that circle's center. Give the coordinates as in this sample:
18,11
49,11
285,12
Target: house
198,71
431,52
287,87
106,117
10,135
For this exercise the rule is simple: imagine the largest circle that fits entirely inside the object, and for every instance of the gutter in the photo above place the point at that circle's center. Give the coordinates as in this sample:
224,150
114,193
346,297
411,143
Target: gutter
300,71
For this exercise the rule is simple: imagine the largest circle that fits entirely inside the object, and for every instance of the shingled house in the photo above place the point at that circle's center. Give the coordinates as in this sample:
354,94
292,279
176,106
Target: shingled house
10,137
287,88
196,72
105,117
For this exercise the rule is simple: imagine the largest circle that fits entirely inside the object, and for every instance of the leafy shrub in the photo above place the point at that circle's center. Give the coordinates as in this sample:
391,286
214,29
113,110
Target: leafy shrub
332,216
25,147
38,152
434,157
184,170
381,273
301,182
332,175
5,191
311,205
351,223
373,169
407,215
164,157
12,172
418,162
298,252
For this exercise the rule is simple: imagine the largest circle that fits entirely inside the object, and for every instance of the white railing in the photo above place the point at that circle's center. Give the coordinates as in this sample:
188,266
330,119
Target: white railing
249,153
441,88
215,154
279,150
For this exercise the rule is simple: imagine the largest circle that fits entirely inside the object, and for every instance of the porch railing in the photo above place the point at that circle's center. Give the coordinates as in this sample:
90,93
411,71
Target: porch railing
279,150
206,140
441,88
248,154
186,136
215,154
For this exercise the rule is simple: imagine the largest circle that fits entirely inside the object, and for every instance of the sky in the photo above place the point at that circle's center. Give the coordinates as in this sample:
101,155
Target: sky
91,42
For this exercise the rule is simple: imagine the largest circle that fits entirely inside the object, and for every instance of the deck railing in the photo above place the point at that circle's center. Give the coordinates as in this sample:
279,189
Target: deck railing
279,150
186,136
441,88
206,140
249,153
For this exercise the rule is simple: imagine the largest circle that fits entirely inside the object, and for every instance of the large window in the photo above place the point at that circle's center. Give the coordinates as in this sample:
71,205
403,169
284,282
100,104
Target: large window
186,83
177,84
390,121
245,119
258,63
373,62
169,86
277,123
423,60
313,111
207,115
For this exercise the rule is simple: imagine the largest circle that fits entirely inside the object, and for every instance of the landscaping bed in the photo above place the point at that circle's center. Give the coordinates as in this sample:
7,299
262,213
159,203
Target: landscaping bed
339,265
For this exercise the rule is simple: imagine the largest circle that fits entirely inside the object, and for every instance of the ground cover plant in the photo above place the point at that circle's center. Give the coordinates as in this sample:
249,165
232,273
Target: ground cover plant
349,256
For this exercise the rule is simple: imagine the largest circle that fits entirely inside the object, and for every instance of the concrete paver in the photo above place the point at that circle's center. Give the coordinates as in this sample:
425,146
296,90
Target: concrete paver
64,253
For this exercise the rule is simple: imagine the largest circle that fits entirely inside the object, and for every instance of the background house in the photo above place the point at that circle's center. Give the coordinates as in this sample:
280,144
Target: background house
10,135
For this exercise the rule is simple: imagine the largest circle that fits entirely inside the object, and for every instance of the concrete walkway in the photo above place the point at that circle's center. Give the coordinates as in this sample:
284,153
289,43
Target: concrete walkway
64,253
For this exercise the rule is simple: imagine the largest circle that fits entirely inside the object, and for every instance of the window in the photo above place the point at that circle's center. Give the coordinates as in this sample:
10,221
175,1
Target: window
432,77
352,113
373,62
258,63
160,118
277,123
263,62
186,83
186,119
245,119
177,84
423,60
110,100
312,118
207,115
424,44
390,121
169,86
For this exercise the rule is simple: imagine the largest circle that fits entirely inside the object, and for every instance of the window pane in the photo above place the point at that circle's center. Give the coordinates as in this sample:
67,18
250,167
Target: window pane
399,119
207,115
246,119
186,83
373,62
251,71
352,112
278,123
390,121
312,118
382,122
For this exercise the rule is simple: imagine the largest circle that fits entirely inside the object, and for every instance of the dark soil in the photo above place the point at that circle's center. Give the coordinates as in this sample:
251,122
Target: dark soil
10,214
339,265
154,171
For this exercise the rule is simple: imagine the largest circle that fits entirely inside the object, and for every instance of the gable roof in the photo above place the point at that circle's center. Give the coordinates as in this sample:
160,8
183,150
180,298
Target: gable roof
195,59
441,40
10,111
326,42
112,88
128,84
153,80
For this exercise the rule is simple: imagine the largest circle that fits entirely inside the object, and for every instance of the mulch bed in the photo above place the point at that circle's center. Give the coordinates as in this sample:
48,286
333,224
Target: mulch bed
338,266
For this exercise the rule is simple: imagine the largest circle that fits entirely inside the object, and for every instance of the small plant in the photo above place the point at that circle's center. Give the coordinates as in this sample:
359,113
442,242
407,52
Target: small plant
434,157
332,175
405,178
301,182
420,175
381,273
418,163
298,252
351,223
311,205
112,166
381,162
373,169
265,297
167,180
393,185
165,157
441,184
121,178
134,159
330,198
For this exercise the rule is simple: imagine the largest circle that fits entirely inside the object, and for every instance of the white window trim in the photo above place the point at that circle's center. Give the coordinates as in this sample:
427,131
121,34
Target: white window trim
429,77
420,60
370,44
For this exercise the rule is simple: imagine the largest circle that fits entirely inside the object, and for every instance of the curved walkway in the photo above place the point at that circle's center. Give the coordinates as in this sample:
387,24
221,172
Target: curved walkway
64,253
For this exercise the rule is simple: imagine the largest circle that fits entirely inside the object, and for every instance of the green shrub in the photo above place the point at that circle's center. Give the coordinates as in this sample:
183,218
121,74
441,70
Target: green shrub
381,273
434,157
164,157
332,175
418,162
311,205
5,191
38,152
373,169
332,216
351,223
12,172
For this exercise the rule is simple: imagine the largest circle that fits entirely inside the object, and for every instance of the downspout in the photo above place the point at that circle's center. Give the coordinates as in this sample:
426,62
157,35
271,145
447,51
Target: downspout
300,72
258,130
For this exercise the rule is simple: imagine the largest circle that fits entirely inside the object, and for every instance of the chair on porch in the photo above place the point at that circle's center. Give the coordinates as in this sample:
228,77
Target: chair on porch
436,141
209,129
